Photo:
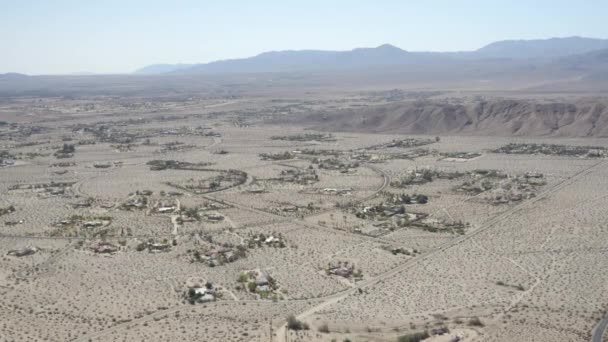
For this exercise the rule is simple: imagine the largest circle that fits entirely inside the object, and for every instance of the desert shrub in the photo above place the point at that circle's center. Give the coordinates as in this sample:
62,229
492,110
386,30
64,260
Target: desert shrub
427,175
476,322
243,277
68,148
324,328
192,296
414,337
422,199
294,324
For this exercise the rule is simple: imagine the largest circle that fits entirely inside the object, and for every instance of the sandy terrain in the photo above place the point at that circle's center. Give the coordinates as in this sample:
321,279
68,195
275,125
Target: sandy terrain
115,244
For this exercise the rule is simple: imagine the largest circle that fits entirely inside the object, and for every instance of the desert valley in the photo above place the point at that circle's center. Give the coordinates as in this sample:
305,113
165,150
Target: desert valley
346,206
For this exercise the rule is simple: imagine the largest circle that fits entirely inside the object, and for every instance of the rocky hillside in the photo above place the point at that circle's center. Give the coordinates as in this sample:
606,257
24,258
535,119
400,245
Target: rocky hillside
504,117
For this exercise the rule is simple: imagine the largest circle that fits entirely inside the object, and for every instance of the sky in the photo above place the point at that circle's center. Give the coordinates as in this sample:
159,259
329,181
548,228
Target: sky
111,36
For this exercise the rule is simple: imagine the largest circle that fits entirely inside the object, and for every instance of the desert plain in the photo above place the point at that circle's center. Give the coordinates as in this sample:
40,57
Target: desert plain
262,216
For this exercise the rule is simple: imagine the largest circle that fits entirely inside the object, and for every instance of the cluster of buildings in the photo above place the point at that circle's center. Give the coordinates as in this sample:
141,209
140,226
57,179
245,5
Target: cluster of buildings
104,248
337,191
45,189
220,255
342,269
260,240
553,149
299,176
136,202
6,162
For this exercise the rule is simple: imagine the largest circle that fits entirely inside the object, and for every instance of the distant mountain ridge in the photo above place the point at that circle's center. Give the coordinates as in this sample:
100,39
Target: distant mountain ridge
12,76
385,56
162,68
541,48
500,117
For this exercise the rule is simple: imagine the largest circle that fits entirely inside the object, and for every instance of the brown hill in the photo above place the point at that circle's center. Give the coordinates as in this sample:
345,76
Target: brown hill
504,117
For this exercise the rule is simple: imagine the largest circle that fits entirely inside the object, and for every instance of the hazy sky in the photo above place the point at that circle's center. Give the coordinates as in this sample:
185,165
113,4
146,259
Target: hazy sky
111,36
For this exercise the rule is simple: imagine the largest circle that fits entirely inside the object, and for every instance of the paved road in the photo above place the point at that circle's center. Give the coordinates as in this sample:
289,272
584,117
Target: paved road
600,329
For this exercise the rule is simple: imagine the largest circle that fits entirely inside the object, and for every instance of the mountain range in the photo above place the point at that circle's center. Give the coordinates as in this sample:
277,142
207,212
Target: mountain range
541,52
492,117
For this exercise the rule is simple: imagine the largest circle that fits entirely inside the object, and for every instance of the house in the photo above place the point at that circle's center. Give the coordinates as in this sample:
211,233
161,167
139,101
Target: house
57,191
214,217
201,291
262,279
595,153
105,248
257,191
6,162
340,269
335,191
207,297
205,294
213,262
23,251
263,288
533,175
158,247
92,224
163,210
14,223
343,272
82,204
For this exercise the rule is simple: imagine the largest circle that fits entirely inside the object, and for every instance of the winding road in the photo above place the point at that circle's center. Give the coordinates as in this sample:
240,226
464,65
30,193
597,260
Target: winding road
600,329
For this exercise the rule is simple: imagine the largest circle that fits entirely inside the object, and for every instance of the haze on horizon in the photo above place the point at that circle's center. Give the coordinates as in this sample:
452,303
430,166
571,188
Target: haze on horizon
67,37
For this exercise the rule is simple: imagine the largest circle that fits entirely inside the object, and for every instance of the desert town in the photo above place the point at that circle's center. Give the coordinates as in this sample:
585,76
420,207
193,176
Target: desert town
196,220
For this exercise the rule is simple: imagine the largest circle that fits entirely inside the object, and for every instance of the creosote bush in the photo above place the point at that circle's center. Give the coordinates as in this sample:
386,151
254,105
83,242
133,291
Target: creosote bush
414,337
476,322
294,324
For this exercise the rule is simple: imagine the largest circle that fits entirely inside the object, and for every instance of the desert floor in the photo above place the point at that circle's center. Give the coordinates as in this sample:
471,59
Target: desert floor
512,261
